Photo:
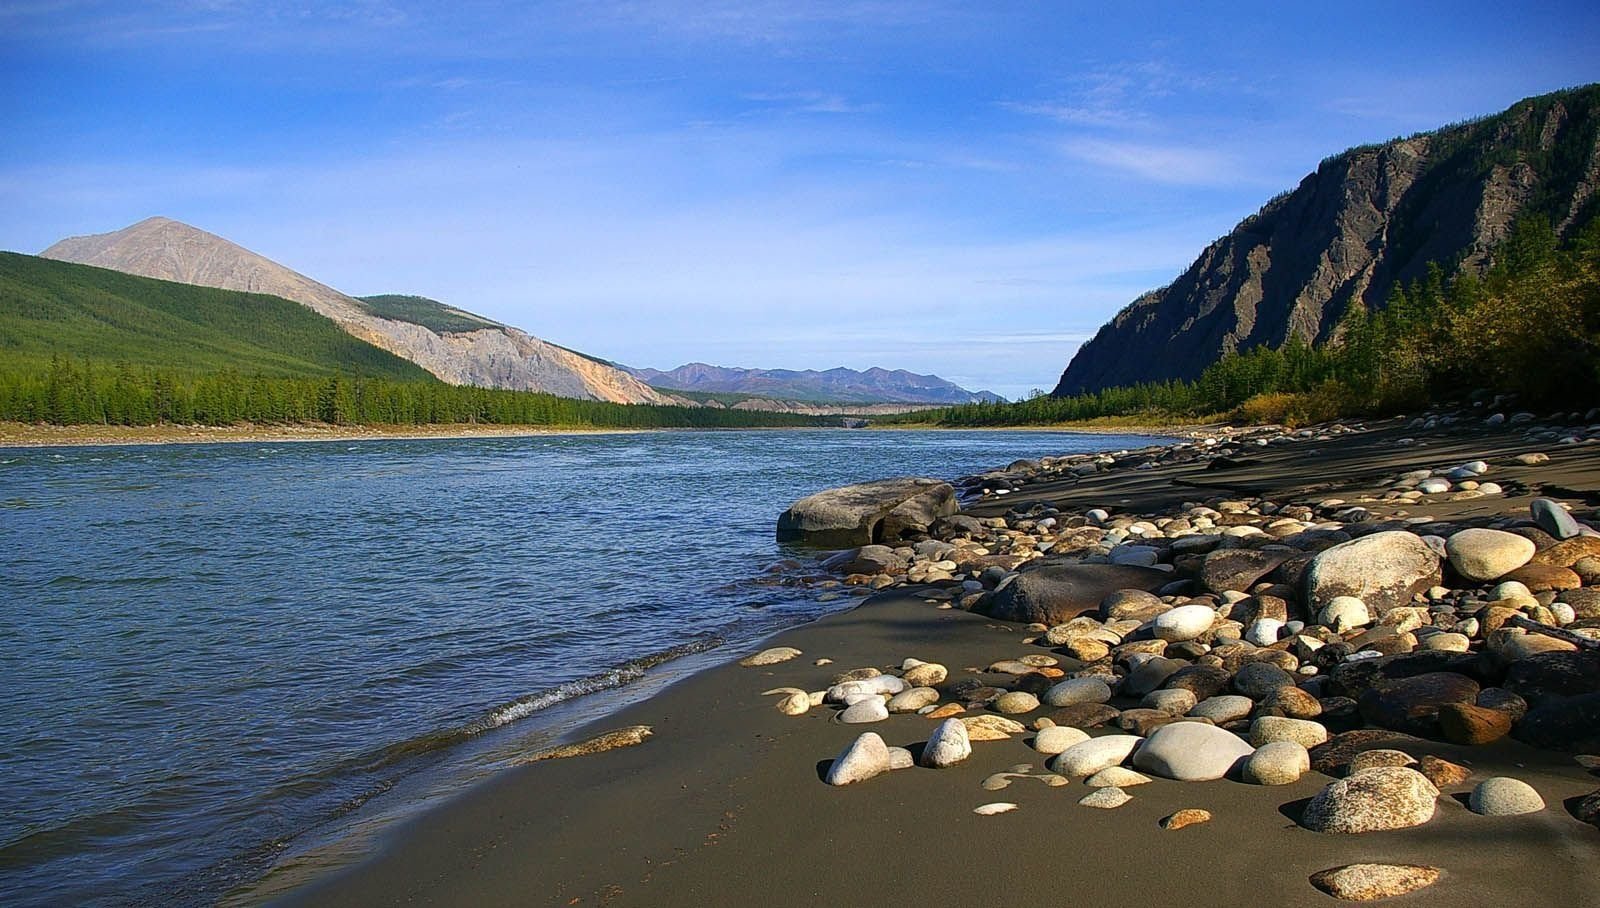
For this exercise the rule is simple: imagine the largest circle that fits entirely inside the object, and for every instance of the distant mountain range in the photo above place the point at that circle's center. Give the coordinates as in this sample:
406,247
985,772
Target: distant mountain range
452,344
1366,221
839,385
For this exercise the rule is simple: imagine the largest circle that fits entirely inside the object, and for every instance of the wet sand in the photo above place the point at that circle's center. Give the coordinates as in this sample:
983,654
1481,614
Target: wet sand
725,804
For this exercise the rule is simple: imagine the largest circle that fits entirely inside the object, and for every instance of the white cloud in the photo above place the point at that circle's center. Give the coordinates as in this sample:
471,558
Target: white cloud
1187,165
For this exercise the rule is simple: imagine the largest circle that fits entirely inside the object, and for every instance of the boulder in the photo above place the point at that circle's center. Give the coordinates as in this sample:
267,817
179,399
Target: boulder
865,757
1411,705
1383,570
1223,708
1504,797
1238,569
1389,797
1481,554
1057,738
1571,724
947,746
1093,755
1258,679
1204,681
1078,690
1058,593
1569,552
1277,763
1272,729
1336,755
1185,622
870,512
1191,752
1550,676
1468,723
1553,518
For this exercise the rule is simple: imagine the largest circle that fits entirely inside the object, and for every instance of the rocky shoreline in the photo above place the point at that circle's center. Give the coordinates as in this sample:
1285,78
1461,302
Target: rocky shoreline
1282,665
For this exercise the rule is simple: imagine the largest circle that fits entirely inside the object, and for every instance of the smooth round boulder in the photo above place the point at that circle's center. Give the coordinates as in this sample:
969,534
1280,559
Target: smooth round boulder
947,746
1191,752
1185,622
1078,690
1223,708
872,709
1504,797
1015,703
1383,570
1057,738
1481,555
866,513
1172,702
1093,755
1057,594
1271,729
1277,763
1388,797
1343,613
909,701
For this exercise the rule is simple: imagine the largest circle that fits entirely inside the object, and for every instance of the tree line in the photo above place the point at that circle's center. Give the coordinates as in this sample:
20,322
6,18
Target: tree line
1529,325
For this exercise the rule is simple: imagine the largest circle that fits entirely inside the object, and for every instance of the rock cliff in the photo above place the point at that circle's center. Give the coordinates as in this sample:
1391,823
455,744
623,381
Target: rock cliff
1366,219
494,356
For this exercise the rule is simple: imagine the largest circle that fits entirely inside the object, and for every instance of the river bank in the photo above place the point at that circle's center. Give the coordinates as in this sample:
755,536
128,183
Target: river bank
726,802
37,435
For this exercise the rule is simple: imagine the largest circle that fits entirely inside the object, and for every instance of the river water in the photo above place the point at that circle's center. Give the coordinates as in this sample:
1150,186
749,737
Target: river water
220,659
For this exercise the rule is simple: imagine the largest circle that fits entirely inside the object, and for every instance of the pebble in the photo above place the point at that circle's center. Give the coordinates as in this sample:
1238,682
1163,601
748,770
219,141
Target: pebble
1223,708
1277,763
910,701
1482,554
1368,882
1271,729
925,674
1343,613
1503,797
770,656
1055,739
1389,797
1093,755
1192,816
1078,690
900,758
989,810
1106,798
1015,703
862,712
1116,777
1185,622
865,757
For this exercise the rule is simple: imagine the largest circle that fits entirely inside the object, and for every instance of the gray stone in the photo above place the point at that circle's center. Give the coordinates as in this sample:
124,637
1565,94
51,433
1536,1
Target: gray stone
1057,594
947,746
1223,708
1093,755
1191,752
1388,797
865,757
1258,679
1503,797
1277,763
881,511
1553,518
770,656
1383,570
1078,690
872,709
900,758
1149,675
1057,738
1481,554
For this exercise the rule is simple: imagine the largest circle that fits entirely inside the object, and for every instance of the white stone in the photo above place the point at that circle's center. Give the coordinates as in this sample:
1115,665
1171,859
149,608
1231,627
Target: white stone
1277,763
989,810
1116,777
883,684
1343,613
1106,798
1191,752
871,709
1223,708
1057,738
1185,622
865,757
947,746
1078,690
1482,554
1263,631
1093,755
909,701
1503,797
1270,729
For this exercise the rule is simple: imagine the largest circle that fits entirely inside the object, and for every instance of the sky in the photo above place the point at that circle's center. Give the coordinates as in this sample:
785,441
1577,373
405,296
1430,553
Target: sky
967,189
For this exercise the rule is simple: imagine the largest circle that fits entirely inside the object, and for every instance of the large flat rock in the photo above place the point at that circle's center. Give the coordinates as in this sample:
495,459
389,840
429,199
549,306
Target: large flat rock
1058,593
870,512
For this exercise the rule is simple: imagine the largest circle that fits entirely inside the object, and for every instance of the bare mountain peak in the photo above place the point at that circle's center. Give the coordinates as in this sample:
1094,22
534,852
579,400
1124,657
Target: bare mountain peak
491,356
837,385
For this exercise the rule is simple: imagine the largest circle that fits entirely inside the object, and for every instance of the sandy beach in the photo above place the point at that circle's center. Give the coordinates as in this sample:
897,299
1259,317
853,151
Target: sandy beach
725,804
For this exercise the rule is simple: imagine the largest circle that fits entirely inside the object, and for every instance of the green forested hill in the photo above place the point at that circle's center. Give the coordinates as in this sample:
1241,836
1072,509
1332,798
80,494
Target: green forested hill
96,316
430,314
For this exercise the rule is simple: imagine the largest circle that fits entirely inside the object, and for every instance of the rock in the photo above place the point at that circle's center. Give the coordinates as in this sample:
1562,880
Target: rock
1191,752
1277,763
1569,552
770,656
865,757
1204,681
947,746
1368,882
1335,756
1135,604
926,674
1171,702
1389,797
1571,724
946,711
1191,816
1482,554
1503,700
1185,622
1263,631
1343,613
881,511
1383,570
1447,642
1504,797
1542,578
1553,675
1078,690
1093,755
857,674
1258,679
909,701
795,703
900,758
1055,739
1442,773
862,712
1223,709
1116,777
1588,809
1142,722
1467,723
1106,798
1372,759
992,727
1015,703
1293,703
1553,518
1237,569
1057,594
1270,729
1149,675
883,684
1411,705
989,810
1085,715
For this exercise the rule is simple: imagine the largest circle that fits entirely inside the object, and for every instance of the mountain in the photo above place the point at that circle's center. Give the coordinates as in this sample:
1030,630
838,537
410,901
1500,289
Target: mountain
839,385
454,345
106,317
1366,220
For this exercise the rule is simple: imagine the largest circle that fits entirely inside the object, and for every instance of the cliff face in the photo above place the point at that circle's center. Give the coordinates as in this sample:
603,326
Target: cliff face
1363,221
872,385
494,357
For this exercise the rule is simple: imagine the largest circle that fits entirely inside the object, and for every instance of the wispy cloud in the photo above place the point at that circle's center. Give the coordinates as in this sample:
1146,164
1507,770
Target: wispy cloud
811,102
1185,165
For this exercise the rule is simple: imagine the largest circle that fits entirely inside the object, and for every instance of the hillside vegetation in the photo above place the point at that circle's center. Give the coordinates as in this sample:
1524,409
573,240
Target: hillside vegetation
430,314
1530,325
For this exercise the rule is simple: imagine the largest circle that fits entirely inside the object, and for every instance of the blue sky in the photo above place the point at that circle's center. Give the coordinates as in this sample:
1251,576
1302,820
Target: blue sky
966,189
